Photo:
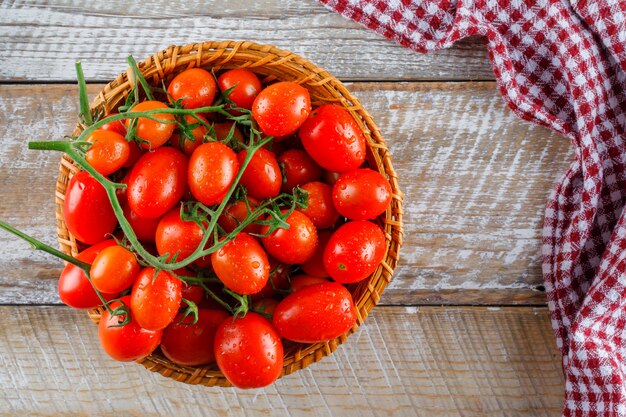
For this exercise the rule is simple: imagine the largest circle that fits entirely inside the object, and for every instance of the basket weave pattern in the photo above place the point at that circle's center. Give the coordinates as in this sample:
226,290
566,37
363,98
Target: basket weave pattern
270,64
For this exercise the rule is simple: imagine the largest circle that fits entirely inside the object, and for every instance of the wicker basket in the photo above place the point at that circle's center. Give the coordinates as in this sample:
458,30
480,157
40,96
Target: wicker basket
270,64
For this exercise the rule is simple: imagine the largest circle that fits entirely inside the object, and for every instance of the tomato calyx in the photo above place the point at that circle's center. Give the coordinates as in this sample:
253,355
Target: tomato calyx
190,310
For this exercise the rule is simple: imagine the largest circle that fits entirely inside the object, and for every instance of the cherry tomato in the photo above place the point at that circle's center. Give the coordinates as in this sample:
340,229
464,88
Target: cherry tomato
129,342
155,300
246,83
301,281
320,207
109,151
192,344
75,290
294,245
122,193
116,126
278,280
212,169
333,139
362,194
145,229
114,270
281,108
315,265
157,182
223,129
235,213
354,251
265,306
134,155
316,313
330,177
195,86
298,168
185,144
248,351
174,235
154,132
193,293
262,177
242,265
87,210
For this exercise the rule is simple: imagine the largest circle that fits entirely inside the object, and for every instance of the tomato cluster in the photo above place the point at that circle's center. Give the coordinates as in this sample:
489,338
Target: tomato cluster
264,207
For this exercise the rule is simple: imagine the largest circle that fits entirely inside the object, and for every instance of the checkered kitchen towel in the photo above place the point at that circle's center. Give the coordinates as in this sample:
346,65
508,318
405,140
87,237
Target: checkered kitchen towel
560,64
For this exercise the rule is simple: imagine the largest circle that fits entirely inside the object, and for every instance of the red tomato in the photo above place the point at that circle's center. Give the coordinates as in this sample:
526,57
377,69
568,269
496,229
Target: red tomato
235,213
362,194
145,229
87,210
265,306
157,182
195,86
122,193
193,293
114,270
248,351
333,139
129,342
278,280
330,177
109,151
298,168
246,83
75,290
316,313
315,265
134,155
154,132
262,177
354,251
184,143
320,207
192,344
281,108
301,281
242,265
223,129
212,169
174,235
294,245
116,126
154,301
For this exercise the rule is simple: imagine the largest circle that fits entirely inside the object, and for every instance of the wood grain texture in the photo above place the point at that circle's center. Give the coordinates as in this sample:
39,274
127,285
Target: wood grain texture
475,177
41,42
402,362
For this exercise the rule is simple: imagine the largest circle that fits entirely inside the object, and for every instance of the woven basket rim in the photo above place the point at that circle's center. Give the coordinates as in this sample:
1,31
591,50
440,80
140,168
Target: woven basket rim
272,64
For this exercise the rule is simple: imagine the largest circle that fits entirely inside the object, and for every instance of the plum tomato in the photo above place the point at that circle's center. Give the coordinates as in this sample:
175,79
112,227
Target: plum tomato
195,86
193,293
320,207
176,236
298,168
294,245
116,126
300,281
246,86
278,280
281,108
242,265
75,290
315,265
129,342
87,210
134,155
236,212
157,182
222,129
114,269
155,299
316,313
333,139
361,194
262,177
198,132
265,306
212,169
145,229
249,351
354,251
154,132
190,344
108,152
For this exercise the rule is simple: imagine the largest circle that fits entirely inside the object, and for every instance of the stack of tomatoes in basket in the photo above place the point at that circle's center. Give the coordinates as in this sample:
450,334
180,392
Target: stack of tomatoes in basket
295,227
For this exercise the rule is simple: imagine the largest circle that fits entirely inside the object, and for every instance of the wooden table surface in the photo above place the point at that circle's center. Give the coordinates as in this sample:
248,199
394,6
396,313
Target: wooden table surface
463,329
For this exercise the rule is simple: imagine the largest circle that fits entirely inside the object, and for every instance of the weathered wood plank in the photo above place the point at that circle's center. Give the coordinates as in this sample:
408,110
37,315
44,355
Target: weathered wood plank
476,179
41,42
403,361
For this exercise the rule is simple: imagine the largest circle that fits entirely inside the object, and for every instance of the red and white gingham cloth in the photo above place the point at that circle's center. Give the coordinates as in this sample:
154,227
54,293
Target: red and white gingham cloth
560,64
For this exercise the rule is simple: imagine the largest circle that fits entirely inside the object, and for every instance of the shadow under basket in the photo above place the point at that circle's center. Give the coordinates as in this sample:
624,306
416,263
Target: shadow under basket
270,64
